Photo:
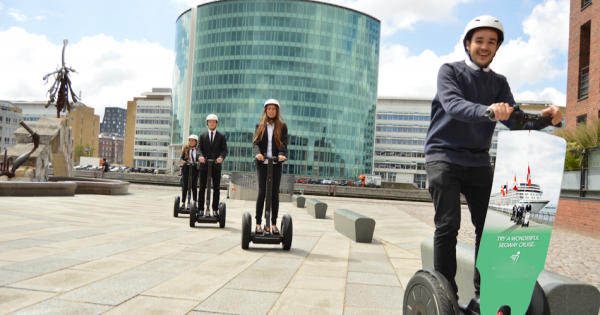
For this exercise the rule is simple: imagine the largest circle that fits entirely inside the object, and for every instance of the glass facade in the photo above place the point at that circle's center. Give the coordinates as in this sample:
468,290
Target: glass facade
180,75
319,61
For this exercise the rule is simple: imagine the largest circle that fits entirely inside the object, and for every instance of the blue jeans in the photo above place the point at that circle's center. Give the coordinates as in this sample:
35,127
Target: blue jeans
446,182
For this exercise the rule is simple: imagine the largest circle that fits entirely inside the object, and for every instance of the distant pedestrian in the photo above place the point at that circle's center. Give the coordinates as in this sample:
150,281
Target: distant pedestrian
105,167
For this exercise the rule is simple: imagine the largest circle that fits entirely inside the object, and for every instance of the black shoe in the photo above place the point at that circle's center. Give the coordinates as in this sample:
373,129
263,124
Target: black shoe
215,213
201,212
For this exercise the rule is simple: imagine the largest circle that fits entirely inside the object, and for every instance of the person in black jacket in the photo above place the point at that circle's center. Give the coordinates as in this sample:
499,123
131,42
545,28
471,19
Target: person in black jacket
270,138
212,145
189,154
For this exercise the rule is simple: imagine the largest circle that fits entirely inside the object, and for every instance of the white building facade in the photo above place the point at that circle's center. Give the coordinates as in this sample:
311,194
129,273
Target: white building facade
9,122
401,126
152,129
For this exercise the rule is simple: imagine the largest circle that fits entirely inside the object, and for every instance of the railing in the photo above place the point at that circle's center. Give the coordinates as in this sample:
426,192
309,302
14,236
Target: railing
250,180
586,180
540,217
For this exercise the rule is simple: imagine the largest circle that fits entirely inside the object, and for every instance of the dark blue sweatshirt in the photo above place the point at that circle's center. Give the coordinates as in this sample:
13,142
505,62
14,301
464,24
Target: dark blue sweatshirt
459,133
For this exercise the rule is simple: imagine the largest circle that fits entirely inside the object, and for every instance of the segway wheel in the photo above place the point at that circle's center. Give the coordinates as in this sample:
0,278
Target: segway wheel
193,214
246,225
425,295
176,206
287,228
222,214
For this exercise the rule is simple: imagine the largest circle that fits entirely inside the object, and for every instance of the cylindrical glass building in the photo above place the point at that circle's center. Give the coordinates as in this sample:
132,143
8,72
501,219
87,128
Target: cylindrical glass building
320,61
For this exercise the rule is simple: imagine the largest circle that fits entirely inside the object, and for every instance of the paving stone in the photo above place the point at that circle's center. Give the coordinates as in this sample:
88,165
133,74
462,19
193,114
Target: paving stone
24,243
117,289
268,274
300,301
352,310
374,296
30,253
14,299
58,307
373,278
371,262
187,255
60,281
320,283
43,265
28,227
168,265
246,302
109,265
218,245
153,305
11,276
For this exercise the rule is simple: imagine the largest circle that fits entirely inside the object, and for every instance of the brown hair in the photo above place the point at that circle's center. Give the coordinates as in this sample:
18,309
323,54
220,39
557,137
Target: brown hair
262,126
186,150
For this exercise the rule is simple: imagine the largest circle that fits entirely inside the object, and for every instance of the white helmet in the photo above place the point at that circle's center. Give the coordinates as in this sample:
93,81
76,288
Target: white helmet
212,117
272,102
193,137
481,22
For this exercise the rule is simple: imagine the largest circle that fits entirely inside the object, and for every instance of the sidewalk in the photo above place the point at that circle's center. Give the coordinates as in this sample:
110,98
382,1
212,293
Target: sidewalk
92,254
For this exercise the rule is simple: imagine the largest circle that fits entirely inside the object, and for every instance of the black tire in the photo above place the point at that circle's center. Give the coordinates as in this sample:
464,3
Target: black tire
222,214
246,224
176,206
425,295
193,214
287,228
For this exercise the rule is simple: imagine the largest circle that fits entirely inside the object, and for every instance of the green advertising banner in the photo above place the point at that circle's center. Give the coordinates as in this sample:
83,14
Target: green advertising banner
527,180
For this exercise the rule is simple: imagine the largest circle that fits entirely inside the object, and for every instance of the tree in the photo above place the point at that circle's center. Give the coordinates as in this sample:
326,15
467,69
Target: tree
585,135
80,150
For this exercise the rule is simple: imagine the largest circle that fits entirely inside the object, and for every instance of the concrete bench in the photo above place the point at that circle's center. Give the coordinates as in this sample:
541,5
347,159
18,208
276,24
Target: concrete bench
316,208
565,295
354,226
298,201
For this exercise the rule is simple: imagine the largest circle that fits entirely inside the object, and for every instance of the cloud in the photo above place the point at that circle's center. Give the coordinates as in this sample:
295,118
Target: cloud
18,16
522,61
1,6
40,17
110,72
398,15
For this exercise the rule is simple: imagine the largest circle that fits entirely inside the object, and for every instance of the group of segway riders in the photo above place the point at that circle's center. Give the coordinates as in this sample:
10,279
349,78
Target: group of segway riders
456,148
270,140
521,214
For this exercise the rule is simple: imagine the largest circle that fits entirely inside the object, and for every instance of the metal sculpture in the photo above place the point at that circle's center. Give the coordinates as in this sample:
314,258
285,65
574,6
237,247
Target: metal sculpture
62,85
5,166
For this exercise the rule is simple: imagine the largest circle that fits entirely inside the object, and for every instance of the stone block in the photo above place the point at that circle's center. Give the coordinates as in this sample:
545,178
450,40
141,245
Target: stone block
565,295
298,201
354,226
316,208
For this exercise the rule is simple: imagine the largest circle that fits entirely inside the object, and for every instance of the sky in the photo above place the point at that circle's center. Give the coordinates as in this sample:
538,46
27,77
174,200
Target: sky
543,153
121,49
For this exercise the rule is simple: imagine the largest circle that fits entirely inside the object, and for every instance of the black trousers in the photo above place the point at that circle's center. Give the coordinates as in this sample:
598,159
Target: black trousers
446,182
216,183
185,179
261,170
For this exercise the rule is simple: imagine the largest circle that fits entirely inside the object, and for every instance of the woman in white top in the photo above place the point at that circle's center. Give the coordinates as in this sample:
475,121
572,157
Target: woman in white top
270,138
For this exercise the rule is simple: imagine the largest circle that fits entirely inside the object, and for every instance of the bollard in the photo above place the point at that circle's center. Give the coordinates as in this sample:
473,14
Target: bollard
301,191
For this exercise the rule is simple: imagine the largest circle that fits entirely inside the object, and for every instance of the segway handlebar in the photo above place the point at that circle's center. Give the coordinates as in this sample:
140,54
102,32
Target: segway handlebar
211,160
273,158
521,118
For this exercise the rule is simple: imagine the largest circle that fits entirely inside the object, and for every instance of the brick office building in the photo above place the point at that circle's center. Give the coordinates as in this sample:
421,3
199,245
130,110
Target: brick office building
583,83
579,209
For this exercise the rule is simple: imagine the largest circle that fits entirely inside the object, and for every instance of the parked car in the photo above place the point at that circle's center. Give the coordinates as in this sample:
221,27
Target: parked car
335,182
320,181
302,181
312,181
357,183
344,182
113,169
225,176
327,181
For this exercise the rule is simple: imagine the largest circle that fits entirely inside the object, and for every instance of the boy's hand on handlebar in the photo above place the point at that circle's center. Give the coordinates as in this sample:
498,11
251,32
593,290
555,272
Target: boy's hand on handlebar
282,158
260,157
202,160
501,111
554,113
219,160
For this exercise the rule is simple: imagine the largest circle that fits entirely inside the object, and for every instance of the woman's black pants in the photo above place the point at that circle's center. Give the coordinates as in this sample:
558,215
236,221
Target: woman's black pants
186,183
261,170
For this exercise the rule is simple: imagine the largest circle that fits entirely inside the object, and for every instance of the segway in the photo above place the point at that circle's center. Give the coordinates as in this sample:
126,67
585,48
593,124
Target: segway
195,216
526,219
177,209
286,230
506,266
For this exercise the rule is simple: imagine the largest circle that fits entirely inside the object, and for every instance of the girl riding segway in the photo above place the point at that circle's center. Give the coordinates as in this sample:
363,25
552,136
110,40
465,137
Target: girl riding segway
270,139
189,155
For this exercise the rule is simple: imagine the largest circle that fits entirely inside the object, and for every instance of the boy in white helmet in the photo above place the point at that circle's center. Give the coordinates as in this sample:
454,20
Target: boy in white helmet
212,145
189,153
459,138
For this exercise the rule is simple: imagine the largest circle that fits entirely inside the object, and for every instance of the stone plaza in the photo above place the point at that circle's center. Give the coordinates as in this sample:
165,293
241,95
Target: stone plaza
96,254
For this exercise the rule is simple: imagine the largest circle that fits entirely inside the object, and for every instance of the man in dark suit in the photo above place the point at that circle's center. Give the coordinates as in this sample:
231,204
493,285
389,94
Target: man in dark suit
212,145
